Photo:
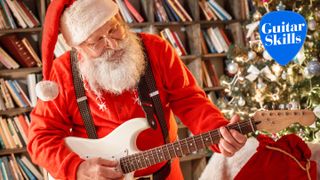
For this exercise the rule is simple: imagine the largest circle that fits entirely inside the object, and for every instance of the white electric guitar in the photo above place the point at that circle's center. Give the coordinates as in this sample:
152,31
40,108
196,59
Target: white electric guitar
120,144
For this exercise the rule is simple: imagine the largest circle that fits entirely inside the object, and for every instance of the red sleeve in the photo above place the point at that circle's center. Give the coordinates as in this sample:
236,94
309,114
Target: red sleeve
187,100
49,126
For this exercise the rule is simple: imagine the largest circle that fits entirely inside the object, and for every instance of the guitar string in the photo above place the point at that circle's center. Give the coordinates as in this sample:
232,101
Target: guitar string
128,159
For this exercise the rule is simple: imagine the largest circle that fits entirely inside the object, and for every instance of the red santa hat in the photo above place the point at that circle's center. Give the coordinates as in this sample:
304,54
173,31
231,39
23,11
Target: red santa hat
76,20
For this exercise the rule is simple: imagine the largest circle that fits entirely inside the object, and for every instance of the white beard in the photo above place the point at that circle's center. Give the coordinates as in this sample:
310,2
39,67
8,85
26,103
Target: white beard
106,73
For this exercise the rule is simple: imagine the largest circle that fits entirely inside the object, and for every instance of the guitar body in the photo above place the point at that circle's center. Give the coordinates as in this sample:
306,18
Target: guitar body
119,143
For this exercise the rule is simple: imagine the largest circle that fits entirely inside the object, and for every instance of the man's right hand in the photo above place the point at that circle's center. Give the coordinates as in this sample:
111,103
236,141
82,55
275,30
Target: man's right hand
98,168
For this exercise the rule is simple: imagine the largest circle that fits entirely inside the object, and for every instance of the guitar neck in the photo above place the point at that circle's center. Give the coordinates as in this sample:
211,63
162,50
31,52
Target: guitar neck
179,148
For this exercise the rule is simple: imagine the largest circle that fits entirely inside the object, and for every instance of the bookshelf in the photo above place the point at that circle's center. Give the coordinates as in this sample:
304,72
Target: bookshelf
10,115
189,32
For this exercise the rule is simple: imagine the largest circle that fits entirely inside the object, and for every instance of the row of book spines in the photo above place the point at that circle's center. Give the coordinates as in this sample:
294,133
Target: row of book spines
170,10
173,38
209,74
12,95
18,167
214,40
17,9
16,52
14,132
129,12
213,11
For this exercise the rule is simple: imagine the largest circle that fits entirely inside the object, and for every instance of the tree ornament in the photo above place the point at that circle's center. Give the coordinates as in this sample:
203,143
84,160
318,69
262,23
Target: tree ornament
232,68
241,102
294,105
306,73
257,16
261,85
317,14
277,69
314,67
281,6
252,55
284,75
316,111
316,137
266,55
312,24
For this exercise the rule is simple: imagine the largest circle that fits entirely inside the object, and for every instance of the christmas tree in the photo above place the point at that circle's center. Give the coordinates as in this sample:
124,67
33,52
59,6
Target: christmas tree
254,81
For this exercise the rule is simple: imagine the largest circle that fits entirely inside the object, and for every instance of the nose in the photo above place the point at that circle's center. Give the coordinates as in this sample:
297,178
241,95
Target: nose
112,43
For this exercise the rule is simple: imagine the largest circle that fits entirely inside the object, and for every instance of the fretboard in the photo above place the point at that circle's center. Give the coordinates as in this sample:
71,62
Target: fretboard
179,148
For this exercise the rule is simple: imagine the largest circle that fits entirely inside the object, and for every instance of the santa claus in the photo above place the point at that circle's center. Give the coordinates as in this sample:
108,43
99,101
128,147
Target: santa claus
111,62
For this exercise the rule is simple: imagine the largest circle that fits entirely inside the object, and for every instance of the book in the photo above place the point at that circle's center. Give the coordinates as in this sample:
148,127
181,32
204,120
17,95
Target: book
209,42
204,47
21,93
171,3
31,51
4,170
219,11
12,6
5,129
20,129
7,60
133,11
24,124
160,11
25,169
13,44
18,169
13,133
14,169
8,14
14,94
124,11
31,82
4,138
6,95
31,167
28,13
182,10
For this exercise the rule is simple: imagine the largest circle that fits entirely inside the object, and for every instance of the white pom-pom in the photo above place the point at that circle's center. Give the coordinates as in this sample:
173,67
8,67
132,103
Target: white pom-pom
47,90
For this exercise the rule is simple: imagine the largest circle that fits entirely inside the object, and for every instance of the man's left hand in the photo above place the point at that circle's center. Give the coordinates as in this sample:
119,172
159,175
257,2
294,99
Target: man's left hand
231,140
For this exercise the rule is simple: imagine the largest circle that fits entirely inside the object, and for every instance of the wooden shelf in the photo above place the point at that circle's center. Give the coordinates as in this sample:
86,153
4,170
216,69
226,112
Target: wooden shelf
21,30
165,24
4,152
188,57
15,111
214,55
144,24
194,156
210,23
20,71
209,89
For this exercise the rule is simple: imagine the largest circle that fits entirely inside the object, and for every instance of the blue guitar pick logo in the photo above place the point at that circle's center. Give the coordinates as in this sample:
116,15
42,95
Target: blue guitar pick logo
283,34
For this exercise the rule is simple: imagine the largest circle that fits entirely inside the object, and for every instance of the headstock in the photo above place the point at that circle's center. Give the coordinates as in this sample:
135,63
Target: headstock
274,121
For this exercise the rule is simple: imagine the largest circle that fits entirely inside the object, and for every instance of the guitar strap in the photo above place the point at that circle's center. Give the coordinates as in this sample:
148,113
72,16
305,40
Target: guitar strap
149,97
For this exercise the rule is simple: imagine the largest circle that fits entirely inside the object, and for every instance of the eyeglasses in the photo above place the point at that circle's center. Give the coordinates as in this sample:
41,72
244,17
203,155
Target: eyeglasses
106,37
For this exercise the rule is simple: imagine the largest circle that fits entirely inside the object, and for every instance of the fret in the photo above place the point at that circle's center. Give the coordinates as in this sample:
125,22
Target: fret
212,142
187,146
130,164
169,154
146,157
140,160
155,154
123,165
177,149
191,144
240,128
135,156
144,160
133,162
194,143
162,157
198,142
181,149
201,137
175,154
151,157
207,139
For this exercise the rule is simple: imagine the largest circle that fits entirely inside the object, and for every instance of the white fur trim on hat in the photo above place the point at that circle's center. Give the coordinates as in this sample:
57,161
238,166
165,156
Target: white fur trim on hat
84,17
47,90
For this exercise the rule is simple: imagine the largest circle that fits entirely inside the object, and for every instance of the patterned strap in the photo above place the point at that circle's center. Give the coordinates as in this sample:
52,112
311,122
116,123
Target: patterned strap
150,99
82,98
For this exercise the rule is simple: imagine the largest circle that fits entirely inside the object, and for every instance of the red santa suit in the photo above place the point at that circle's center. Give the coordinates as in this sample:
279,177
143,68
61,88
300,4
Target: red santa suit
54,120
